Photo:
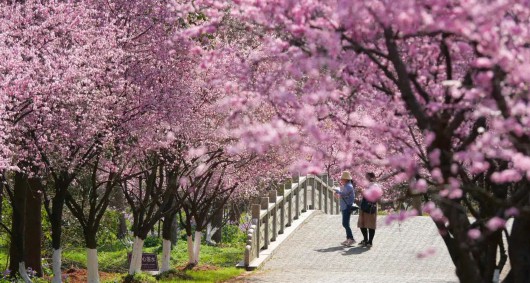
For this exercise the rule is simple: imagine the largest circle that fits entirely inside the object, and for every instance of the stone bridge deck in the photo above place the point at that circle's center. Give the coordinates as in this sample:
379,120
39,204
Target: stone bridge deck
313,254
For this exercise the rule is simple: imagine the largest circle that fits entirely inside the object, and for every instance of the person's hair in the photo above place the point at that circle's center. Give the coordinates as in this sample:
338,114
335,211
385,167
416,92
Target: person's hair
370,175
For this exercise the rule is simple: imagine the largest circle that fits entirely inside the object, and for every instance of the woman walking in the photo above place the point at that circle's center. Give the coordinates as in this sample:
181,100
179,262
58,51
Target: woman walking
346,194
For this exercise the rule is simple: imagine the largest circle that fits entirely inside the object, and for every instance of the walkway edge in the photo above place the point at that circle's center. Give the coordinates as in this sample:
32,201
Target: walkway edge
265,255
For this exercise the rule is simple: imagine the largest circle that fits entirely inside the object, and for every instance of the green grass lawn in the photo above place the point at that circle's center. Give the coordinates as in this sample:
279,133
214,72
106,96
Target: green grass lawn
217,275
216,264
116,260
209,275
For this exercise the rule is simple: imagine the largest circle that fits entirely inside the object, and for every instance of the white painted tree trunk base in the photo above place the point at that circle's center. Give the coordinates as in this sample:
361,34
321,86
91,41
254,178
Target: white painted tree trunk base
190,250
23,272
197,248
210,230
136,257
166,255
56,264
92,266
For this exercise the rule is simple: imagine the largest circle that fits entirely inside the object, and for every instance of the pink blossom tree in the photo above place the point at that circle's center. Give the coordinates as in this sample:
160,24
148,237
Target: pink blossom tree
450,71
62,77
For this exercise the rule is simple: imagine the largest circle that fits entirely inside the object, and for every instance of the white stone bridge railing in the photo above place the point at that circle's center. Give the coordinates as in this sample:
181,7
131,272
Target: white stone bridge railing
283,206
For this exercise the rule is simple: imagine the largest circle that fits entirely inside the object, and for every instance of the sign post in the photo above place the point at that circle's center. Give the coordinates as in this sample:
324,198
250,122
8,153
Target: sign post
149,261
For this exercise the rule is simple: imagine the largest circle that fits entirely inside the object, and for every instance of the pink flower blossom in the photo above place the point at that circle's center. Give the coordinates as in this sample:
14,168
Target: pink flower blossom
510,175
184,182
426,253
429,207
512,211
437,215
436,174
455,193
401,216
373,193
496,223
483,62
474,234
420,186
434,157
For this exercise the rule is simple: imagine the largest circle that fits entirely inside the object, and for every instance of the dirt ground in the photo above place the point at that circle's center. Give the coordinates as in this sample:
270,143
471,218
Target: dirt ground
80,275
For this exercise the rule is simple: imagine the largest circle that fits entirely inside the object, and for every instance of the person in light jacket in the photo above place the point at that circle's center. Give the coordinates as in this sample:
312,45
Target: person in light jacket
346,194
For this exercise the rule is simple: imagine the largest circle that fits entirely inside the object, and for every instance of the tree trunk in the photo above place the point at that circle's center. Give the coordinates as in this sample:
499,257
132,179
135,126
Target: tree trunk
136,257
56,265
56,223
92,256
92,266
217,224
122,228
519,250
17,248
33,226
210,230
166,255
174,231
23,272
197,246
191,259
416,204
167,228
467,268
2,187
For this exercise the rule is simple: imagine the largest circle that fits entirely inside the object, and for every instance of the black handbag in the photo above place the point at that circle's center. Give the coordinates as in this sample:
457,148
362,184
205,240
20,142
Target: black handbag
352,207
368,207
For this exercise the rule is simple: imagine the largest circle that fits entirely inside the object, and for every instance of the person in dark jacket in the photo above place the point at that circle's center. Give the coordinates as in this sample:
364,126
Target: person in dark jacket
367,220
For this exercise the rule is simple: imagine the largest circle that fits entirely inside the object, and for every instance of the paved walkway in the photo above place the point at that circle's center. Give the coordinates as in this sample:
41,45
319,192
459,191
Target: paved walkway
314,254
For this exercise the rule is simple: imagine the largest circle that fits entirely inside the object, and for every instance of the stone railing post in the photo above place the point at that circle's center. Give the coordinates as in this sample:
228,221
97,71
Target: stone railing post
297,201
313,188
282,211
264,203
304,187
288,188
256,211
329,183
274,214
251,245
319,188
326,192
266,238
326,199
330,201
296,178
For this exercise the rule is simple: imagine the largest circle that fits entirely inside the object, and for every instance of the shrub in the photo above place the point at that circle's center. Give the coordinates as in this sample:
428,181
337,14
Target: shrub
152,241
232,234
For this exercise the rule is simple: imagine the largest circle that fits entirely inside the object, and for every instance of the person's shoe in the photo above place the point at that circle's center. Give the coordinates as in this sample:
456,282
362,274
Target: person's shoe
368,245
345,243
362,243
351,242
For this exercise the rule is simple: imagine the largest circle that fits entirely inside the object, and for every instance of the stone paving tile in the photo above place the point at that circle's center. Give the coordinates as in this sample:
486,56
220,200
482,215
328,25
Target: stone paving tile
314,254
